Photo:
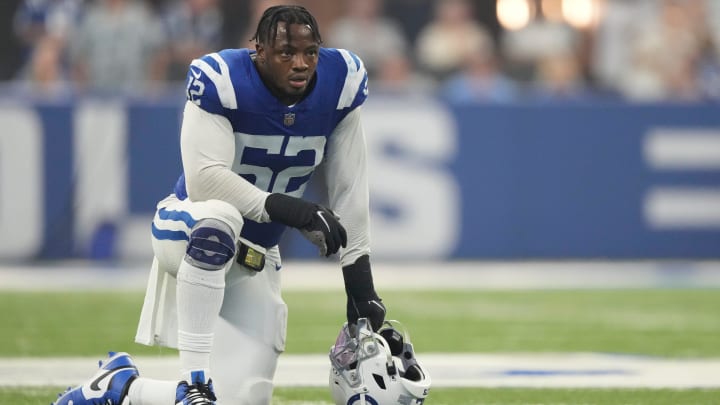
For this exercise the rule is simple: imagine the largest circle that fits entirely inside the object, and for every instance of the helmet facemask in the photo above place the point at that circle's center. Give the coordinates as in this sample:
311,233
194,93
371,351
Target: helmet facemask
370,368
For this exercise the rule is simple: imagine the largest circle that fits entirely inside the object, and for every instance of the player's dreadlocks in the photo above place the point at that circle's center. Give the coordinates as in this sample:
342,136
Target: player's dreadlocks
267,27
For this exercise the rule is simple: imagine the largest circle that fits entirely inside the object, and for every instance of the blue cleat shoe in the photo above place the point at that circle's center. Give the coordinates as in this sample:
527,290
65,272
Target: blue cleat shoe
199,392
109,386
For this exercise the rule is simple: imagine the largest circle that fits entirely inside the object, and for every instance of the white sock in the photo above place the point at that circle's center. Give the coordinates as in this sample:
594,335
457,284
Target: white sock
146,391
199,298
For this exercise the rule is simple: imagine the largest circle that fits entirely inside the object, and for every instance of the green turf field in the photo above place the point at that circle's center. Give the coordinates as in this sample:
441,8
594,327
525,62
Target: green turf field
457,396
653,322
671,323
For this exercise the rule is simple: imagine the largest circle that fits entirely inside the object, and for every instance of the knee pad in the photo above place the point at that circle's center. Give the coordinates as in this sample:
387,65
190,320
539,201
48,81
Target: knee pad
211,244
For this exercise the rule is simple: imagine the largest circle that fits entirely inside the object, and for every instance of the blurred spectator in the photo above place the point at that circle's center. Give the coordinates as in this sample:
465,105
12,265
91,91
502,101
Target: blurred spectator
664,53
480,80
706,61
364,30
44,26
397,75
45,74
36,19
412,15
114,49
526,49
446,40
257,7
192,28
559,77
620,25
708,70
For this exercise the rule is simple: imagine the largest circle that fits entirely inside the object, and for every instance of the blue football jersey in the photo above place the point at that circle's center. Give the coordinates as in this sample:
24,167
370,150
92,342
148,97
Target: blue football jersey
277,147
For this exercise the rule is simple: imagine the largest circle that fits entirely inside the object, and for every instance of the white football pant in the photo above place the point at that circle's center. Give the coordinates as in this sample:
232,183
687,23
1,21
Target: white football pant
250,334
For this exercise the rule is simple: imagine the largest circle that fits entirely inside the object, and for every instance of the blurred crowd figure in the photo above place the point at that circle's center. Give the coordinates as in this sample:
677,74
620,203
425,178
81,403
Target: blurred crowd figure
115,47
448,38
363,29
44,28
192,28
639,50
672,51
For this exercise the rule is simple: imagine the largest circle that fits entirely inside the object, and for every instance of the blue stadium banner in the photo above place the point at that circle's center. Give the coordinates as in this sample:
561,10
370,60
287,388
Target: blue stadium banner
80,179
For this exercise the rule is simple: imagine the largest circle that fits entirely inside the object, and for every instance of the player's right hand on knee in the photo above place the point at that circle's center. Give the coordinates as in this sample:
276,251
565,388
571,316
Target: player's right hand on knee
318,224
325,231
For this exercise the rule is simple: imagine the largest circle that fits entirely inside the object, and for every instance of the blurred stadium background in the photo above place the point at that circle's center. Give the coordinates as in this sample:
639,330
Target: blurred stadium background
518,129
555,144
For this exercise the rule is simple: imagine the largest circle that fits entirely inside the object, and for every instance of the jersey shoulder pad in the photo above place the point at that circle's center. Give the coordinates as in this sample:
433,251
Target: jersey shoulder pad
209,83
353,76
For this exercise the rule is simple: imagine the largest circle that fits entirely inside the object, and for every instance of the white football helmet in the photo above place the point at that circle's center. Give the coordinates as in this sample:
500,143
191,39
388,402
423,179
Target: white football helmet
369,368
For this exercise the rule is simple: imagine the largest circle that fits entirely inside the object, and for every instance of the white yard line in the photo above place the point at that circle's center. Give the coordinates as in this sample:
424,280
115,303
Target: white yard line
566,370
326,275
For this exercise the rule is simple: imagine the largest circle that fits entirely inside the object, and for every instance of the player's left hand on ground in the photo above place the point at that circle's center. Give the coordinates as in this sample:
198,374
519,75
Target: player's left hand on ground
362,300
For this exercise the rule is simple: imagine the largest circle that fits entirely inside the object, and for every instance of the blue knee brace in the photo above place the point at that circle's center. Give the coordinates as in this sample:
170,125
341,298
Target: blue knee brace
211,245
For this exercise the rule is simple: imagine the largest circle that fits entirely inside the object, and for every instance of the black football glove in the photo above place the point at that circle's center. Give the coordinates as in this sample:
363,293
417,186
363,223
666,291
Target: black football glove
362,300
372,309
317,223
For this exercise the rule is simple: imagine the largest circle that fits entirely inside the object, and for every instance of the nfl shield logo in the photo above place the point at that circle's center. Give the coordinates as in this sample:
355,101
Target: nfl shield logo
289,119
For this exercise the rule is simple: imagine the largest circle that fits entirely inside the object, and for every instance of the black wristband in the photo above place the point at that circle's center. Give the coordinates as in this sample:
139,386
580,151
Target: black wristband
291,211
358,279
